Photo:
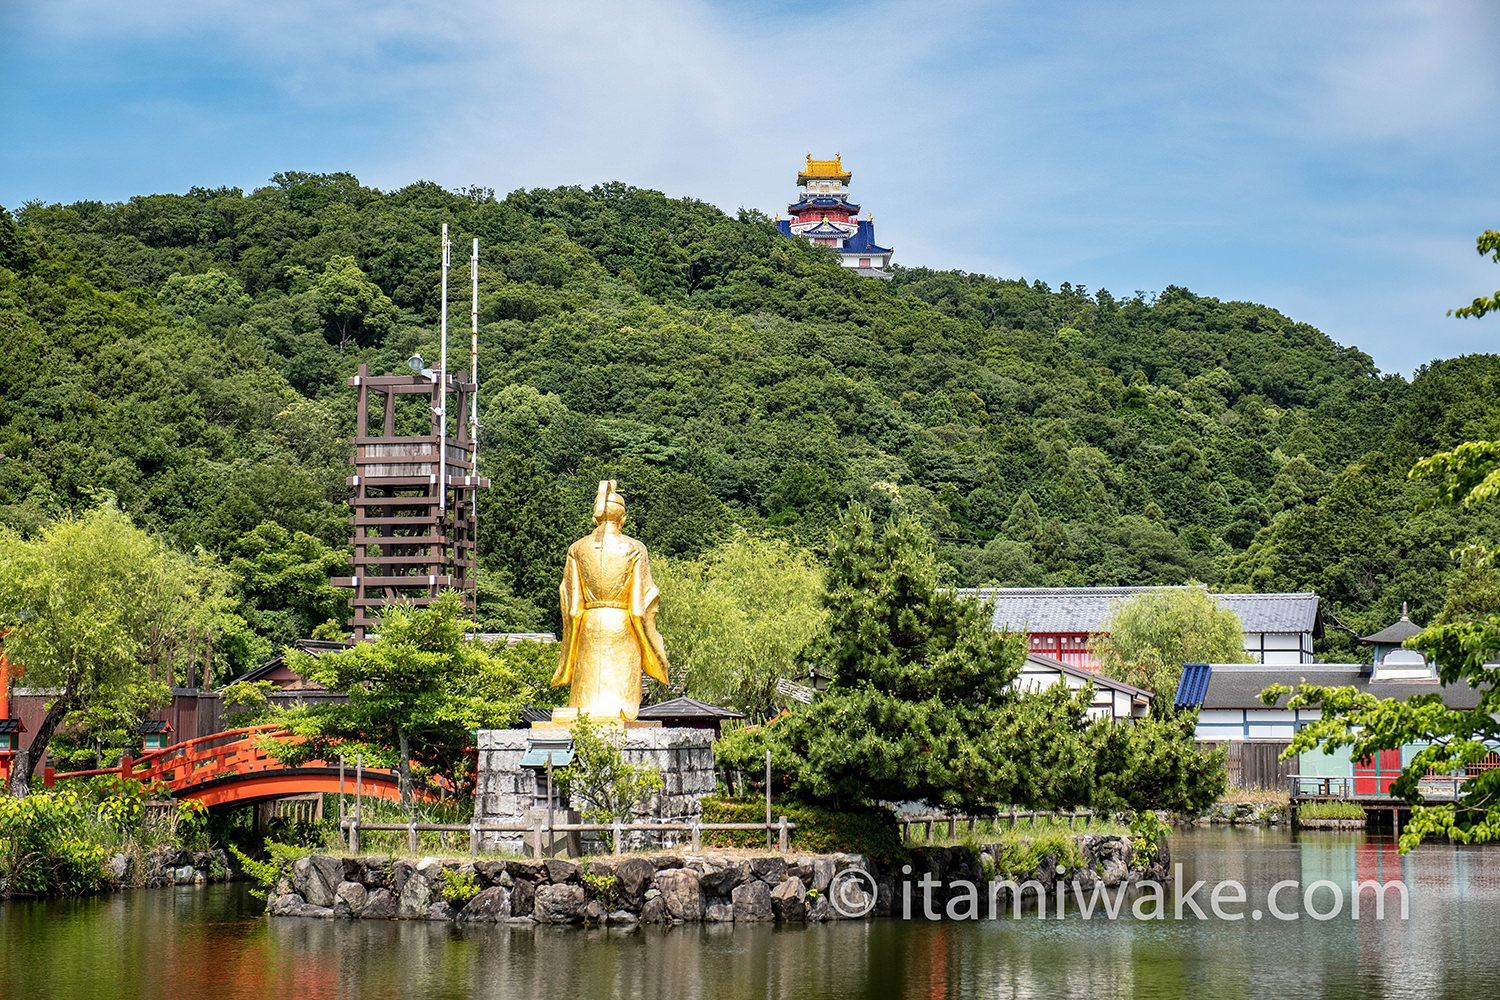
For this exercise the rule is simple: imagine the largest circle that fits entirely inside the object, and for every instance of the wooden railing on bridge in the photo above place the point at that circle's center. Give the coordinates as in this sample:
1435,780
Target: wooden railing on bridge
191,764
1309,787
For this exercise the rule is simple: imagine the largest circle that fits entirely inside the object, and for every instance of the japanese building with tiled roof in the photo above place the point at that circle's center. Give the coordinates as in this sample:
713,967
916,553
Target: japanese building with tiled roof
1059,621
823,215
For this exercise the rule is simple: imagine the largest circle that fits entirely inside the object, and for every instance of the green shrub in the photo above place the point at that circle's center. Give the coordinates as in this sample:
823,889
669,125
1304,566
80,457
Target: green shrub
45,845
278,863
459,886
1146,831
871,831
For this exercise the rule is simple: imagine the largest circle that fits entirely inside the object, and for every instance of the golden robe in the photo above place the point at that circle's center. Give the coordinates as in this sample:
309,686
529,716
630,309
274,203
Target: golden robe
609,625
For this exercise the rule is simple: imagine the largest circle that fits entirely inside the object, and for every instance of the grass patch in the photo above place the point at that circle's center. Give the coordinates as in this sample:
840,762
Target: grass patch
1002,829
1254,797
1330,810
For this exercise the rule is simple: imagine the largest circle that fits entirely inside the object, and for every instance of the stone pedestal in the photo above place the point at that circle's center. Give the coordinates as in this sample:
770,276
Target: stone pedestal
508,793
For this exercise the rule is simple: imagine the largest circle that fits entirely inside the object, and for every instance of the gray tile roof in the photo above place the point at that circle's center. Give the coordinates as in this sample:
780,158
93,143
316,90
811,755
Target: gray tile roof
1086,609
1398,631
1098,680
687,708
1238,685
1274,612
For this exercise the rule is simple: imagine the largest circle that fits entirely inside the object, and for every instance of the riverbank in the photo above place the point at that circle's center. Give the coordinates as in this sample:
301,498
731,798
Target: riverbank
667,888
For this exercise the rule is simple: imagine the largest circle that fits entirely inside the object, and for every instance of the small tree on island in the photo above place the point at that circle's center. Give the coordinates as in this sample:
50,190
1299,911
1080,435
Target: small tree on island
608,787
415,694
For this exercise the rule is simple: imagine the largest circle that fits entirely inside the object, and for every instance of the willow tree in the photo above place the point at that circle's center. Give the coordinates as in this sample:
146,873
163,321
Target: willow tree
93,603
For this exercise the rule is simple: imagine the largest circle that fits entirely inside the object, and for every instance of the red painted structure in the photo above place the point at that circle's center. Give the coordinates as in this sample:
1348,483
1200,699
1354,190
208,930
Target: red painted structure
229,768
1375,776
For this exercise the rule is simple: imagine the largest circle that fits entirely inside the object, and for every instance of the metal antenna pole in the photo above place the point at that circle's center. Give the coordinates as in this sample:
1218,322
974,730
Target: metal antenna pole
474,356
443,388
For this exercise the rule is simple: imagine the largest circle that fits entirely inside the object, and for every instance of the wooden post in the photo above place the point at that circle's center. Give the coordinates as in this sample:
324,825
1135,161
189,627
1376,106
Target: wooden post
619,838
343,839
473,838
973,822
697,838
551,834
536,841
927,835
952,826
906,831
768,800
783,841
359,799
411,834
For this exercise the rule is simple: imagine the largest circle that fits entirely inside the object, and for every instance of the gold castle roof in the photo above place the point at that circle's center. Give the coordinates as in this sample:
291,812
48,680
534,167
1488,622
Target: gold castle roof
825,168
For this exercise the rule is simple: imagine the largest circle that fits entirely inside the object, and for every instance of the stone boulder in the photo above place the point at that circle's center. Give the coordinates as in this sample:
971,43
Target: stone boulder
491,906
771,871
635,877
286,904
560,872
789,900
752,902
350,899
558,904
720,879
379,905
681,893
414,896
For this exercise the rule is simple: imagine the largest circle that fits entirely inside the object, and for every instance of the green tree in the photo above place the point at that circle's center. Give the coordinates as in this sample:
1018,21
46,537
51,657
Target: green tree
1488,242
1146,639
415,694
921,704
283,581
354,305
1463,651
609,787
95,600
735,620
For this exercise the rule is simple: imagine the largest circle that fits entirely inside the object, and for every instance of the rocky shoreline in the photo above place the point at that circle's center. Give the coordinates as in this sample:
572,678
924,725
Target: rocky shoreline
667,888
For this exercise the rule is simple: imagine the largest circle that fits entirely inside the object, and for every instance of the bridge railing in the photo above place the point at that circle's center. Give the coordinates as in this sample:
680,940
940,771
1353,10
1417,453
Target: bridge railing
539,832
1446,786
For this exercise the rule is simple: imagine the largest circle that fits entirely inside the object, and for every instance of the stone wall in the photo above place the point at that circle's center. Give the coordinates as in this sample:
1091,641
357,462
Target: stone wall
621,891
672,888
507,793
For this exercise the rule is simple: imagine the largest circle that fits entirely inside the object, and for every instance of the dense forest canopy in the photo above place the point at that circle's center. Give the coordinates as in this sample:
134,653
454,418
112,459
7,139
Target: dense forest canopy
188,354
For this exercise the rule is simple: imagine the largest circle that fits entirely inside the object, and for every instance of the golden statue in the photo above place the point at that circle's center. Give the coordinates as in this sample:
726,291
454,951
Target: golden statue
609,619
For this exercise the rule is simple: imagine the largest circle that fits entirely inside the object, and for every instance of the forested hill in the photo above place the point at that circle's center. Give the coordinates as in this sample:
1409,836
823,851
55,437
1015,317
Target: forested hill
188,353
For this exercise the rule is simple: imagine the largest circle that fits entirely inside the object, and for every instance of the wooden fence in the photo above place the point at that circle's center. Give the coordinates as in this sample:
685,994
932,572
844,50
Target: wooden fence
539,833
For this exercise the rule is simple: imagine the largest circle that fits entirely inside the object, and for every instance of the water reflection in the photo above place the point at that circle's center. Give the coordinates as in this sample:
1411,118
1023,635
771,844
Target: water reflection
211,941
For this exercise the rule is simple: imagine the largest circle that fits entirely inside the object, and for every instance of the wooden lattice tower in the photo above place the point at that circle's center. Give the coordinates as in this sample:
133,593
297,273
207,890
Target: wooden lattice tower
415,519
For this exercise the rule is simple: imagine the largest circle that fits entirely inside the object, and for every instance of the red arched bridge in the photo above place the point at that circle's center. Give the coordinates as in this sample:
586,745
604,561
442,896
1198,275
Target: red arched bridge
232,768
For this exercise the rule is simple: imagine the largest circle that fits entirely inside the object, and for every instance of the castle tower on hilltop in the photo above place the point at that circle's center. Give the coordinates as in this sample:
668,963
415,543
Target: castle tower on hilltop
824,216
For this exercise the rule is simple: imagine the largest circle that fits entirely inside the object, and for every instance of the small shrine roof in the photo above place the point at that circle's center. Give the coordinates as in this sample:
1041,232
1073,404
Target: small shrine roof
813,204
156,727
687,708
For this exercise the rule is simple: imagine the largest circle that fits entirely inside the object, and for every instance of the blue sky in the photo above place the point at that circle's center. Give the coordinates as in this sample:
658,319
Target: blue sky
1334,160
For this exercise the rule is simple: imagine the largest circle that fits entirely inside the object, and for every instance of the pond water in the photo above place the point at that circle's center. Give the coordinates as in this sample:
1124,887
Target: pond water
214,942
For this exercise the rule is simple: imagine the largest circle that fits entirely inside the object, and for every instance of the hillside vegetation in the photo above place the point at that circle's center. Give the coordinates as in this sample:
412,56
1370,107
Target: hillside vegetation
189,355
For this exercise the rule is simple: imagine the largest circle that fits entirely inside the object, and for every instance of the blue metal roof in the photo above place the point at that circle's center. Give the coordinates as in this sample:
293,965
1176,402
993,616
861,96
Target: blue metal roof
863,241
813,203
1193,685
